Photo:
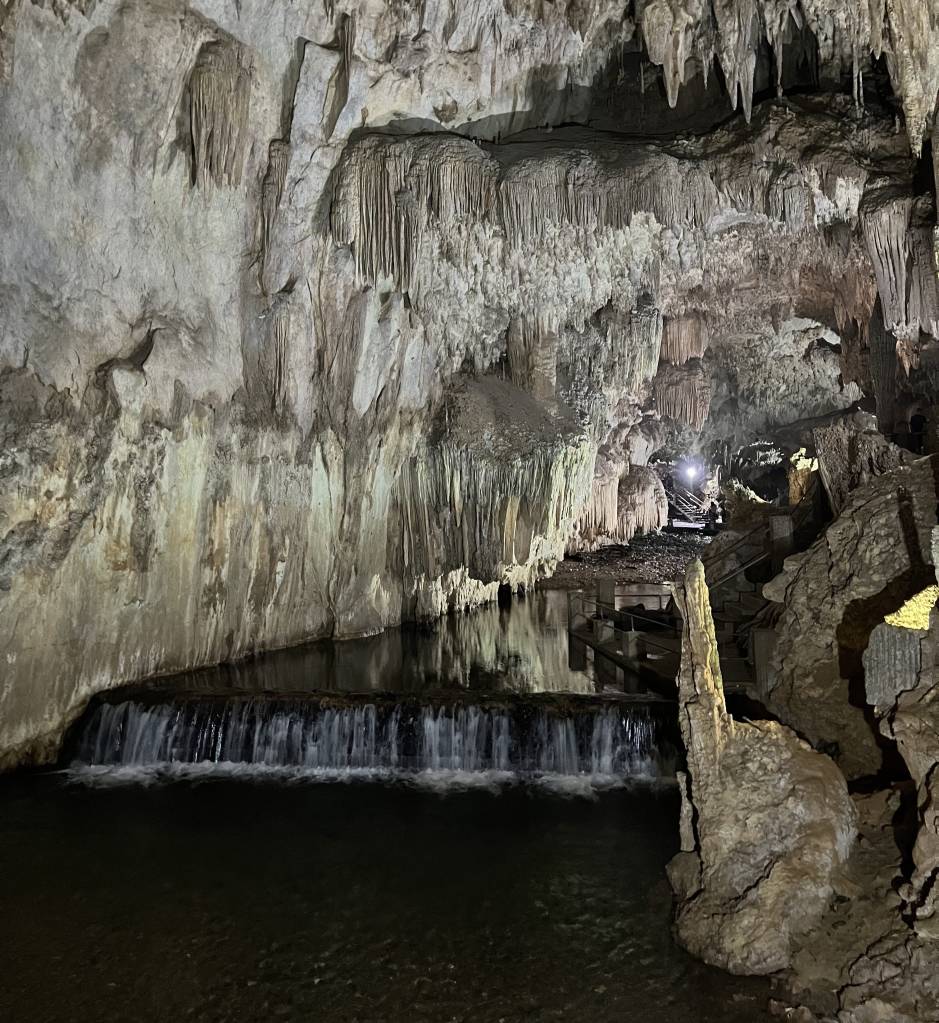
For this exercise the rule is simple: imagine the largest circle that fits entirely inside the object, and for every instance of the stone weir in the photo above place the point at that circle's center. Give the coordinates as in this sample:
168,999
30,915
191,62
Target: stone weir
144,732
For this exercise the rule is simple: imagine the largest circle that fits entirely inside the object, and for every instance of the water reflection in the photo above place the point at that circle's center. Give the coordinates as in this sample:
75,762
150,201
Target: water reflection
520,647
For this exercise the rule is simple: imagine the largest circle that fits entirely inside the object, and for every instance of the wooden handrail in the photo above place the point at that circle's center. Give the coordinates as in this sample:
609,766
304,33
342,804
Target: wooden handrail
614,610
737,571
739,542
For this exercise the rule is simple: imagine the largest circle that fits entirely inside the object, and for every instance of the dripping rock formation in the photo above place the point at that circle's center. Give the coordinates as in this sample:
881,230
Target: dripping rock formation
321,316
324,331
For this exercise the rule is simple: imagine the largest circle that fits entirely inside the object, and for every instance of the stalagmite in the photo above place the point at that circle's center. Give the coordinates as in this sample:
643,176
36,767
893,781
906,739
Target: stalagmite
772,819
834,593
851,452
220,94
901,684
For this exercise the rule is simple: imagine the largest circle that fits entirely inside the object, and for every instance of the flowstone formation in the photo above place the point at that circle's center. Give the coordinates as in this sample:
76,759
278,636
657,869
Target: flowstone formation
767,820
315,319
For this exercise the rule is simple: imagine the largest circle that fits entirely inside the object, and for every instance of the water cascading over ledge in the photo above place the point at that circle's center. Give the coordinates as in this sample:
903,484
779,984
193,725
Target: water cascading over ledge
246,480
602,741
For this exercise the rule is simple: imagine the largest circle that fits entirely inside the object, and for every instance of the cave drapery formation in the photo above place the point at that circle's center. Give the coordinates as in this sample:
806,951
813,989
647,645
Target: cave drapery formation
318,317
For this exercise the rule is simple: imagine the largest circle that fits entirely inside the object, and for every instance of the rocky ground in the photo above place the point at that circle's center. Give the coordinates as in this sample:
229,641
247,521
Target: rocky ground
648,558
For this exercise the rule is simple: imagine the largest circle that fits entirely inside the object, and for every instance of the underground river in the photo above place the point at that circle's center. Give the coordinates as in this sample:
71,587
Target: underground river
254,843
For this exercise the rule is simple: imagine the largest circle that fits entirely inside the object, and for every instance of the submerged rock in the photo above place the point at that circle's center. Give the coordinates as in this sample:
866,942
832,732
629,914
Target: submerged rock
771,819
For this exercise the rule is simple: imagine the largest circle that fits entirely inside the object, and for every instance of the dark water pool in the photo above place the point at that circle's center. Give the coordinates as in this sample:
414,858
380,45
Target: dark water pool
344,902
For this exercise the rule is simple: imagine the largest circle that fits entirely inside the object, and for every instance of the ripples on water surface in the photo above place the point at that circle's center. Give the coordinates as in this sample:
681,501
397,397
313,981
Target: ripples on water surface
462,886
378,904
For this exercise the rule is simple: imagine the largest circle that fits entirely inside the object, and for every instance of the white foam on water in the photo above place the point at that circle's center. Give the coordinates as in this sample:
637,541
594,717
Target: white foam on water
112,776
440,781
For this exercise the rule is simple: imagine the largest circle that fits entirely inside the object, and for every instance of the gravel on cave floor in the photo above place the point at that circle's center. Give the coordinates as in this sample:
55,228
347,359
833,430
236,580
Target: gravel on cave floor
649,558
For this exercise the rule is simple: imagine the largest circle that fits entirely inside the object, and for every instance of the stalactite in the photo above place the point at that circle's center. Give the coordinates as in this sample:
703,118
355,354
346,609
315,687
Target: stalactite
668,31
346,38
598,517
532,345
644,439
885,219
219,99
923,301
7,30
683,392
844,30
619,507
460,505
605,197
275,354
684,338
338,92
629,348
642,505
394,193
644,345
914,72
737,40
388,190
935,175
272,190
883,370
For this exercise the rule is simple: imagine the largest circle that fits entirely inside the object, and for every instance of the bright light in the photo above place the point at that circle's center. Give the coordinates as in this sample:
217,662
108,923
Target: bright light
691,472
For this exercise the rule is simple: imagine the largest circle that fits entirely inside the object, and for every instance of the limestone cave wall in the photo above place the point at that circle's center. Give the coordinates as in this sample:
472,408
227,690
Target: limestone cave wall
318,316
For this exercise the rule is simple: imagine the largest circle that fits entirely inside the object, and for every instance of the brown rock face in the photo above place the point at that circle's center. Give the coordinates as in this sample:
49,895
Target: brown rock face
871,558
902,681
772,819
850,455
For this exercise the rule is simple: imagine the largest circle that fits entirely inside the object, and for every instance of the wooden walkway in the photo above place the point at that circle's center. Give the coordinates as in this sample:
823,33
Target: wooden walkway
645,646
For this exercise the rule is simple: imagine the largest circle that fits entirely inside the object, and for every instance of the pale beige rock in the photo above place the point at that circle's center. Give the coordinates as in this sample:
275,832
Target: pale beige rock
773,822
251,372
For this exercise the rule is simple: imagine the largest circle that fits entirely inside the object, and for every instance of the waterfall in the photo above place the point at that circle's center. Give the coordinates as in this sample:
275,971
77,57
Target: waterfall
610,740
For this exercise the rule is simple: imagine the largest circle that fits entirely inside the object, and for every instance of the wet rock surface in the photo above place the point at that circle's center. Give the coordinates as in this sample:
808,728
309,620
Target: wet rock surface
326,330
320,317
